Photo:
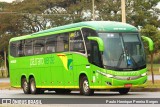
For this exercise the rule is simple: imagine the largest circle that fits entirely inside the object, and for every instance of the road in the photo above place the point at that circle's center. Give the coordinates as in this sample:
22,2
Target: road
18,93
75,94
7,80
76,97
156,77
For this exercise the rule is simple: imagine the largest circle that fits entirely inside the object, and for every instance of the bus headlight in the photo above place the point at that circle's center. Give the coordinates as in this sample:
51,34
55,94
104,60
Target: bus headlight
144,74
104,74
109,75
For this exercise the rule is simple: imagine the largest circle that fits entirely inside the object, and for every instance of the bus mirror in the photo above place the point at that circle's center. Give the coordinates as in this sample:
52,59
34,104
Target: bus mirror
150,42
99,41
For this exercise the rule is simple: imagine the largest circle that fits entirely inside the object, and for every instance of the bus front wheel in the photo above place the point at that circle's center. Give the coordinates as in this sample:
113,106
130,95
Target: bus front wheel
84,87
25,86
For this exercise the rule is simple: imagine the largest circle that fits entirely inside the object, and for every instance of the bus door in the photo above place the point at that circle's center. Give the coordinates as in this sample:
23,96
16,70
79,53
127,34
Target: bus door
94,57
66,62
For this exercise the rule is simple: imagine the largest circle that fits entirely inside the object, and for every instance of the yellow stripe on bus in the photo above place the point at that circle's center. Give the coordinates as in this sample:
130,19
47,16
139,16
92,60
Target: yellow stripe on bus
111,87
57,87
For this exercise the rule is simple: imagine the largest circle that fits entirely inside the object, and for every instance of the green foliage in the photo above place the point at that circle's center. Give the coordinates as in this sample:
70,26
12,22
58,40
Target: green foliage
27,16
1,61
142,12
152,32
109,10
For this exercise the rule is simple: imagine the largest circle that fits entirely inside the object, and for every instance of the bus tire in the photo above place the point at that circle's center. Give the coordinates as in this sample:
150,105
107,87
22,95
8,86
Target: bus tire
123,91
33,89
84,87
25,86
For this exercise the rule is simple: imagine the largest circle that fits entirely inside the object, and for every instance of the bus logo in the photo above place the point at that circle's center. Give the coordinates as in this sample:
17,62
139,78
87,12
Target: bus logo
66,62
129,78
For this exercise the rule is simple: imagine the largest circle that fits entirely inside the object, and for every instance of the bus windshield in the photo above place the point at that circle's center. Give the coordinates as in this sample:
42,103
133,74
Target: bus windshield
123,51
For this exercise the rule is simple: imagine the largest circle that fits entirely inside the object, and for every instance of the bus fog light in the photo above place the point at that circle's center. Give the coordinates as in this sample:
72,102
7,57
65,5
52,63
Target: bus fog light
109,83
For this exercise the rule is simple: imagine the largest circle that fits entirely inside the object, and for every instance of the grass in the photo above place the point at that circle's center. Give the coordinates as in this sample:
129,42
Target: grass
151,85
156,69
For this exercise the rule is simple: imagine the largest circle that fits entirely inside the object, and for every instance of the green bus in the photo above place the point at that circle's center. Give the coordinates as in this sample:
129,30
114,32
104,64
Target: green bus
85,56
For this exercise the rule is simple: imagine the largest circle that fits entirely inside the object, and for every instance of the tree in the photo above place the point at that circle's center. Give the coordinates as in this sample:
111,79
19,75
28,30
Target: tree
109,10
152,32
28,16
142,12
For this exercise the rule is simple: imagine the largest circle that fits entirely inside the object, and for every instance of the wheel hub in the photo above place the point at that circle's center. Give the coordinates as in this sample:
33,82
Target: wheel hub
25,85
32,86
85,86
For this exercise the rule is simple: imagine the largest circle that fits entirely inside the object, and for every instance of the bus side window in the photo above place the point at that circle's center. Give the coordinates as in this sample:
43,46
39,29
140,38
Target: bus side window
62,42
20,48
39,46
66,42
76,42
51,44
28,48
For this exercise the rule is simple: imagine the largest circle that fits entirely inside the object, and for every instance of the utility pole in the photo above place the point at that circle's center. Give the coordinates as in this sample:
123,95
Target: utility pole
123,11
152,68
93,11
5,63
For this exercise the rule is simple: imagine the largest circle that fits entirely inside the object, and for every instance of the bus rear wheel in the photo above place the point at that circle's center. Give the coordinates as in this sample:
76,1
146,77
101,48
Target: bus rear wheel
33,89
123,91
32,84
25,86
84,87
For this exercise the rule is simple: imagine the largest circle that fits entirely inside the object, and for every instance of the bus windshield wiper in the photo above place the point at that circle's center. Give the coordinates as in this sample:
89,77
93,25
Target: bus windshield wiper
120,59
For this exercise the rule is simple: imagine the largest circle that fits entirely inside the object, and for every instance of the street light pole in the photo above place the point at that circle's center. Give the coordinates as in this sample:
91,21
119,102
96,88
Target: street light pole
123,11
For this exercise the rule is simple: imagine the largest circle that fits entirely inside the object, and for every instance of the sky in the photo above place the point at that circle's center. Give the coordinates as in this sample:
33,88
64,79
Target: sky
7,1
158,5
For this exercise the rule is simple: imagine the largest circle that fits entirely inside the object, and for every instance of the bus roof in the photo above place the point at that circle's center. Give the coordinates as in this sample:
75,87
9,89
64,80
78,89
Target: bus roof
100,26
